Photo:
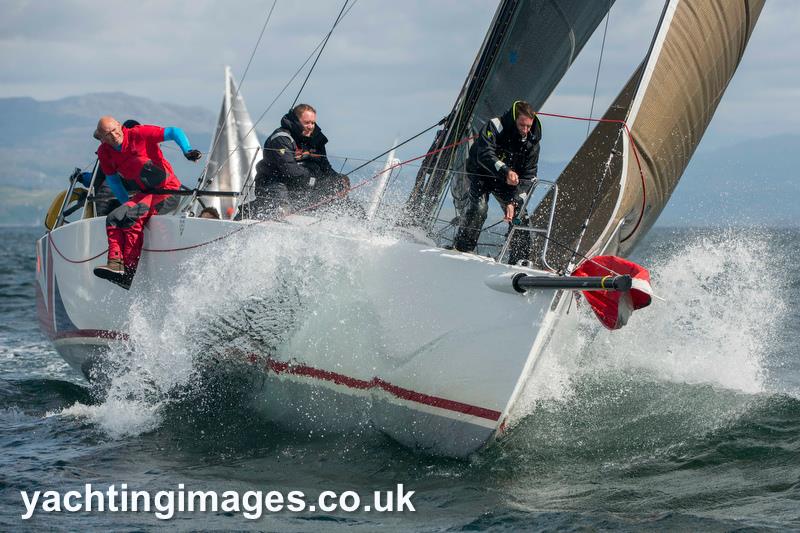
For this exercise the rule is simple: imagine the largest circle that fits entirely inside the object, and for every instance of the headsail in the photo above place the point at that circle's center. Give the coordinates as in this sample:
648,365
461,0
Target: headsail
234,151
528,49
667,105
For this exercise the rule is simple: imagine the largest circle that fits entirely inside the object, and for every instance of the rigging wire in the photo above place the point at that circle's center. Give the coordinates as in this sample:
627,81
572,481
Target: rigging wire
218,135
325,42
593,207
599,62
426,130
283,90
343,158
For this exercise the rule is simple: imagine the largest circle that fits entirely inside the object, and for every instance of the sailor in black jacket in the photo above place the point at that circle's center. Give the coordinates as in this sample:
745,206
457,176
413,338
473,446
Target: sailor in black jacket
503,161
295,172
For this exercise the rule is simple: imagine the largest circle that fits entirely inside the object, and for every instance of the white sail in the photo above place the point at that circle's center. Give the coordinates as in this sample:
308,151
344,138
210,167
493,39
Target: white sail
234,151
380,188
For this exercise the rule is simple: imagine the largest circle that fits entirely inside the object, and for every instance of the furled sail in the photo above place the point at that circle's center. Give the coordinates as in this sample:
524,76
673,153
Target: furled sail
234,151
621,183
527,50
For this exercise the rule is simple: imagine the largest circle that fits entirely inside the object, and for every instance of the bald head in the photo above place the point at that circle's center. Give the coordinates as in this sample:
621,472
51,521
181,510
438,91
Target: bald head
109,131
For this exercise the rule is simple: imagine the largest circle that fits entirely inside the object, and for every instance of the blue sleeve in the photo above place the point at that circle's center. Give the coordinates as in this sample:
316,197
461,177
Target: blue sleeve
116,186
177,135
85,178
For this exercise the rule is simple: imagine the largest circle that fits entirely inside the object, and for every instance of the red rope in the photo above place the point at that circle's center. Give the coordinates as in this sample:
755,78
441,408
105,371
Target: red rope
221,237
67,259
389,169
635,154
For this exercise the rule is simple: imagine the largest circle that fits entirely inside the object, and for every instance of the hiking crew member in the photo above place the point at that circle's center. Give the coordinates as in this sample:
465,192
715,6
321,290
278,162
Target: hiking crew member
503,161
106,199
295,171
133,154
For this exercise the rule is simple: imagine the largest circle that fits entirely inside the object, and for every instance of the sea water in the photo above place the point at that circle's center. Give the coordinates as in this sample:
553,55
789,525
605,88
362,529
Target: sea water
687,418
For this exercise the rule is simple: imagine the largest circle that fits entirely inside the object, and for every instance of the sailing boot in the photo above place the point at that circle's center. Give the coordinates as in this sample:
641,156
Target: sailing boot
127,278
114,270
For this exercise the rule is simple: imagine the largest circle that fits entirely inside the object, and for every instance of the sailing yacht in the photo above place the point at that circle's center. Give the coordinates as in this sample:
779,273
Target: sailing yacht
429,345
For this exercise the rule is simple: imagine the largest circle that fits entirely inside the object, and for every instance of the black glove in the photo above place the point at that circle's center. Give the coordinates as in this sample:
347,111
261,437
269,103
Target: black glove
193,155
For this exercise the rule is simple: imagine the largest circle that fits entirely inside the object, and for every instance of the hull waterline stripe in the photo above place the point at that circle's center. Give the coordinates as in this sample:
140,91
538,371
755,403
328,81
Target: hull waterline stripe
91,333
280,367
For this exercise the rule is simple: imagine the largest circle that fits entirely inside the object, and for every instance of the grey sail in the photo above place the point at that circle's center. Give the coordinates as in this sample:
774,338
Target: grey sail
527,50
234,151
621,183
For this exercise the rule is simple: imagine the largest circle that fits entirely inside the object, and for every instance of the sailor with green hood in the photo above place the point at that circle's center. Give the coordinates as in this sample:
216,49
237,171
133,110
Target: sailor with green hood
503,161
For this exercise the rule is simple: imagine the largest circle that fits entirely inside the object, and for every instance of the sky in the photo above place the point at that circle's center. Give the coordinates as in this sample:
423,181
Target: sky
390,69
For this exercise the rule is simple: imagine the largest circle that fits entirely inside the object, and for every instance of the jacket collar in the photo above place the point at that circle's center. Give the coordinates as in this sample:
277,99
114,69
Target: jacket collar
290,122
509,123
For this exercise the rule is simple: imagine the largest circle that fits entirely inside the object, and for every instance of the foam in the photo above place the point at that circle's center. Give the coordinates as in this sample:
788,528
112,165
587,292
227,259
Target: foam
724,301
228,291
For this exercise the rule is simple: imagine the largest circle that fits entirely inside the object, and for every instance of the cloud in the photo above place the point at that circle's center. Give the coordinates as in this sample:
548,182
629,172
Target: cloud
389,70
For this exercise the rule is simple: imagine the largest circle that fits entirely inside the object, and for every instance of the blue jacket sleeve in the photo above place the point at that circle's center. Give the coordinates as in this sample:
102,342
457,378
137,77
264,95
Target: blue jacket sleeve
116,186
180,138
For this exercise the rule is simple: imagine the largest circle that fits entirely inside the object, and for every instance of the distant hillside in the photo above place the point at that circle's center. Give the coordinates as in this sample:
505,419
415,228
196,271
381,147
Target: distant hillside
40,142
753,182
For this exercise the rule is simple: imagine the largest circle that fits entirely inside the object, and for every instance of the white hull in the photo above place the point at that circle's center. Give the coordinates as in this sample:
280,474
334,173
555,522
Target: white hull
411,338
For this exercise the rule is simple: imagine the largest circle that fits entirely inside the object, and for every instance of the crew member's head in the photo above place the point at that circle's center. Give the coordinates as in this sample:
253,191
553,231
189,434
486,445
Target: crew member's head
209,212
523,116
109,131
307,117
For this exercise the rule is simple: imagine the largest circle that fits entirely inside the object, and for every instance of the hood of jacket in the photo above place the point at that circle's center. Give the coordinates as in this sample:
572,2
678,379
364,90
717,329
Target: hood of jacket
509,122
291,123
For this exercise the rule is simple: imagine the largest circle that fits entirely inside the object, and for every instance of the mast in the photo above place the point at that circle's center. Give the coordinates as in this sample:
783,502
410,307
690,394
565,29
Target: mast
432,172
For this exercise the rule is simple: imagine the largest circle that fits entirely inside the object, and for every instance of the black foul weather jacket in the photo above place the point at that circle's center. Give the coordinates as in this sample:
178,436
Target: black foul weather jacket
500,148
292,159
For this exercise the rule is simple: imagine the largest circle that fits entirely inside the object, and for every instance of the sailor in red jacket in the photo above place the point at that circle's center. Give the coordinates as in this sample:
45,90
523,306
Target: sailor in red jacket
133,154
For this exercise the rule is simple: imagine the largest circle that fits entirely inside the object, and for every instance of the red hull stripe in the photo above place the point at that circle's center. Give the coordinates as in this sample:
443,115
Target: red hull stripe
94,333
280,367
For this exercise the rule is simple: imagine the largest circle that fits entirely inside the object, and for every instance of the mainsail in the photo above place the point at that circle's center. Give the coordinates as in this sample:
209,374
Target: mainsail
527,50
234,151
620,182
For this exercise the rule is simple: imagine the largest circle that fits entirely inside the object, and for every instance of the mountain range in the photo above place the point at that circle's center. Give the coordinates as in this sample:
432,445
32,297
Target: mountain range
752,182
